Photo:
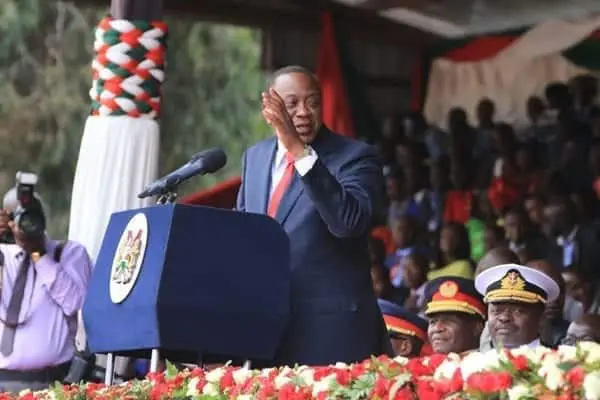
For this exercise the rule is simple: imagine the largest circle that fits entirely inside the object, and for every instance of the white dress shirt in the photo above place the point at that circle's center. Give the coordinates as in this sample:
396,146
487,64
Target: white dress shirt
303,166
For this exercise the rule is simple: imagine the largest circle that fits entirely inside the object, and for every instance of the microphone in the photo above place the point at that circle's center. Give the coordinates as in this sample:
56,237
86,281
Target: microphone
205,162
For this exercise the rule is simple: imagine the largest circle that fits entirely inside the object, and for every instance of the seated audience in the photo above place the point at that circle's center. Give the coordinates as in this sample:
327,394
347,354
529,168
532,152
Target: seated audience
554,325
583,291
584,329
522,236
454,253
416,267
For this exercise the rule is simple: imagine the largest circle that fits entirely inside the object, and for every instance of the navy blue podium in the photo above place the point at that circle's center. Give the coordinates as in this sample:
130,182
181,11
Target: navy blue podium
191,282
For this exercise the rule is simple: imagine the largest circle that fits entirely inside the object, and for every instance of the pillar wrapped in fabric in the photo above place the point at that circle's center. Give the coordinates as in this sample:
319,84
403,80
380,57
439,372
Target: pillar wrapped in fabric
120,143
189,281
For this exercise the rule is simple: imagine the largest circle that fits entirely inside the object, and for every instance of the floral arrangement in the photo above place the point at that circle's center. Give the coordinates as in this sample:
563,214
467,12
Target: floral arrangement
521,374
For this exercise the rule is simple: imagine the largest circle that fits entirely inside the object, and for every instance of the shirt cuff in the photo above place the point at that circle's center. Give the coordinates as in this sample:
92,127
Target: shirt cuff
46,269
305,164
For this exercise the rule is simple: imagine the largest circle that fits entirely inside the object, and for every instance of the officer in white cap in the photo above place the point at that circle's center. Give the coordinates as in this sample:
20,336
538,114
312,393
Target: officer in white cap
516,296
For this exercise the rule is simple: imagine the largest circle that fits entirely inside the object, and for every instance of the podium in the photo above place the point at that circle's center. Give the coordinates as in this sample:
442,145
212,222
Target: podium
191,282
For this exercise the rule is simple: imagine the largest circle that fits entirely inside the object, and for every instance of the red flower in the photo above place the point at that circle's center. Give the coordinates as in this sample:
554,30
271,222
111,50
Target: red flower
322,372
358,370
520,362
489,382
404,394
343,377
227,381
381,387
427,390
575,377
266,391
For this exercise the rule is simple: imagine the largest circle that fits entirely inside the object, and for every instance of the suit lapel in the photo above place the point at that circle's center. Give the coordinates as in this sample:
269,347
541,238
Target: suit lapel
289,199
263,177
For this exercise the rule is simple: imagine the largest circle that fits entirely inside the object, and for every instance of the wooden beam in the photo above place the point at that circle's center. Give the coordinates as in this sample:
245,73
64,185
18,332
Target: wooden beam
362,20
299,14
142,10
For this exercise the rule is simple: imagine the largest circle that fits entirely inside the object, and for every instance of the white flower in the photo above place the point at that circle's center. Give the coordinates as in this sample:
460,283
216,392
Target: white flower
341,365
568,353
519,392
307,375
592,351
280,381
266,372
591,386
244,397
241,375
533,354
215,375
553,376
400,360
210,389
551,360
477,362
446,369
323,385
192,387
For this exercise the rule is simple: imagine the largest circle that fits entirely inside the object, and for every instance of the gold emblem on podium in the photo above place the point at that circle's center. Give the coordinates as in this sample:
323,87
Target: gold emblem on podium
128,258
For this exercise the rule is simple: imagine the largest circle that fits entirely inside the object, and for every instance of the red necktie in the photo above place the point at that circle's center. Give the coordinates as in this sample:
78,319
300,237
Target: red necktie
282,186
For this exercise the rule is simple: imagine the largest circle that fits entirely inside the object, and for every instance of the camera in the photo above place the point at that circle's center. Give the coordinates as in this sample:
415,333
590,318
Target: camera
28,215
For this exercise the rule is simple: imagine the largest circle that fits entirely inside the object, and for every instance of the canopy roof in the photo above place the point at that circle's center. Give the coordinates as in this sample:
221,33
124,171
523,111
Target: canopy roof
456,18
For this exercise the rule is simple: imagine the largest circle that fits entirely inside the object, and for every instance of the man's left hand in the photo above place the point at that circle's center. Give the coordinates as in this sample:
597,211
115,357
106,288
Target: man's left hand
276,115
30,245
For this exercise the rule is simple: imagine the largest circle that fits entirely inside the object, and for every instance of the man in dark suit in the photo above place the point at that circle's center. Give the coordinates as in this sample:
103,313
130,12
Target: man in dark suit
573,244
324,189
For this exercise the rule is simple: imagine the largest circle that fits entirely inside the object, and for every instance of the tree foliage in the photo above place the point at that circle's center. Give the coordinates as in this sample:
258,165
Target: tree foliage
211,97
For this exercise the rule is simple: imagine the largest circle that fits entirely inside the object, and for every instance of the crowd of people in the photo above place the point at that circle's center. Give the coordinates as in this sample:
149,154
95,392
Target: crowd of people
483,193
490,239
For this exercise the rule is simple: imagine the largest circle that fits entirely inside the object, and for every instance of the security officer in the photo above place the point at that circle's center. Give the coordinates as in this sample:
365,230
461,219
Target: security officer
407,330
456,315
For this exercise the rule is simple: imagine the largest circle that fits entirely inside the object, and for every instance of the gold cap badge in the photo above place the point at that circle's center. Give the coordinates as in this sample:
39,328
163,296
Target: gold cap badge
512,281
448,289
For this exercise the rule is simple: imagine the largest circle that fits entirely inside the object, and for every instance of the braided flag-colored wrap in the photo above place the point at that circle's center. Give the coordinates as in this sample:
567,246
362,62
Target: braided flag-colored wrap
128,68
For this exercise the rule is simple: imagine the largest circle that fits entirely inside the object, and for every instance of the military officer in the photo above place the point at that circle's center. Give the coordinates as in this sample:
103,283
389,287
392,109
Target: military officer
456,315
407,331
516,296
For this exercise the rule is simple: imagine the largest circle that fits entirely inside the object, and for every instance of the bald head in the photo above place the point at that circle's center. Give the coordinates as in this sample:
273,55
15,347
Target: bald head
554,309
497,256
547,268
585,329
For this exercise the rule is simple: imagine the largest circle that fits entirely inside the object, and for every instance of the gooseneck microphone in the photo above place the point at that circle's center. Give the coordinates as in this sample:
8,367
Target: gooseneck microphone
202,163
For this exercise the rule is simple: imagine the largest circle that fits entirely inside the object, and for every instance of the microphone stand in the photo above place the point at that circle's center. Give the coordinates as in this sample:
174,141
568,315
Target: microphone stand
168,196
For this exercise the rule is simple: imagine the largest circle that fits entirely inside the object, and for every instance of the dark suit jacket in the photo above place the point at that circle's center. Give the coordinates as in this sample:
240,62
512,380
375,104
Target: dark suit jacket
327,214
587,252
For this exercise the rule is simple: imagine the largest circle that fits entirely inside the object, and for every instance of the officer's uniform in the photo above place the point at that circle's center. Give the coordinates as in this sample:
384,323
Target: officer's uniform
402,323
514,283
455,295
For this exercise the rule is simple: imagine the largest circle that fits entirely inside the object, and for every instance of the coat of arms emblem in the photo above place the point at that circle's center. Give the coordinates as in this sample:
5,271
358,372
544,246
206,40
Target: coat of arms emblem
128,259
127,255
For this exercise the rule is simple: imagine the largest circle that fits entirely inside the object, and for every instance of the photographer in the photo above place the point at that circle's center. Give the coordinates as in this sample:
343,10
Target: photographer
43,286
